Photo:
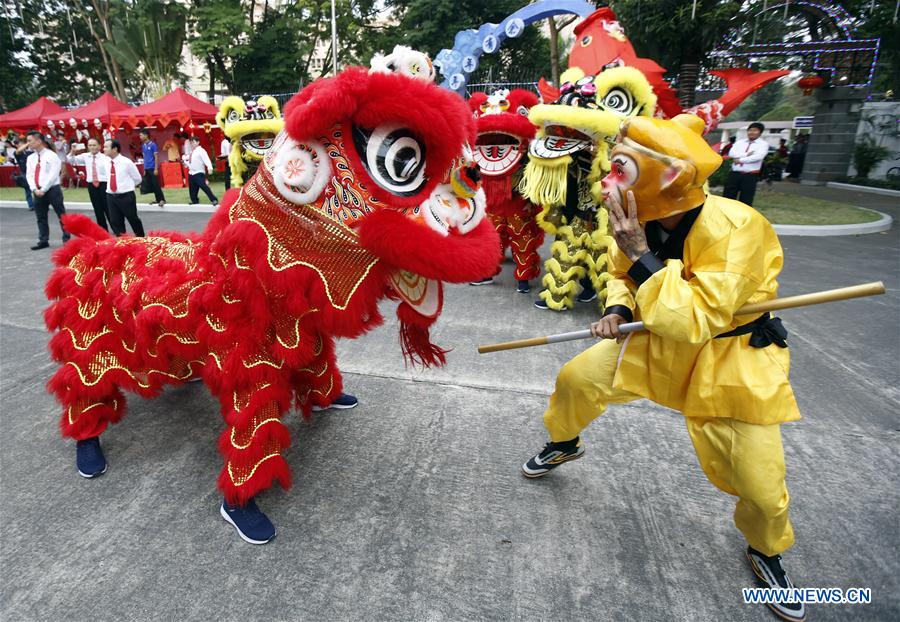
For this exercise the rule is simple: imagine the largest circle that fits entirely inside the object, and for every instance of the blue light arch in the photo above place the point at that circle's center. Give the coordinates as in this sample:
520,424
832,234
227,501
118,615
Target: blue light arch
456,65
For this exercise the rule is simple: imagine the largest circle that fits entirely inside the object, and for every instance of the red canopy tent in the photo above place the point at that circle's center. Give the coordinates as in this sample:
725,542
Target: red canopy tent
30,117
101,108
179,106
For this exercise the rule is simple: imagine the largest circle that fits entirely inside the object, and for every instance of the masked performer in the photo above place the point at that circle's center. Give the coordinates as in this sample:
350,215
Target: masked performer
606,83
504,132
684,263
359,198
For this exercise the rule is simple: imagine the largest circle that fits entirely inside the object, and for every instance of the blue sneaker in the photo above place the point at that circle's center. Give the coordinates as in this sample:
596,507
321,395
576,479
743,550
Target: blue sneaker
89,458
523,287
252,525
343,402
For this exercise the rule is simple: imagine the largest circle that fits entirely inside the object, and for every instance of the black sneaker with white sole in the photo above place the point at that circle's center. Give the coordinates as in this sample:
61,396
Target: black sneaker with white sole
486,281
523,287
551,456
343,402
770,572
89,458
251,523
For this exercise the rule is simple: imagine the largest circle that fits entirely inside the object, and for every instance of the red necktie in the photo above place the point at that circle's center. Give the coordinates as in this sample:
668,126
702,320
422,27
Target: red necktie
37,173
94,175
112,175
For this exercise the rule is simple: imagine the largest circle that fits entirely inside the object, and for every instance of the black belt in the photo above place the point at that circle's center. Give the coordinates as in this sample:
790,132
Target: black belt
764,331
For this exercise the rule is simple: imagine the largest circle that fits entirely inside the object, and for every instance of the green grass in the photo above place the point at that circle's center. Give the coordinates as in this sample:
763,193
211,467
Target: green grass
791,209
80,195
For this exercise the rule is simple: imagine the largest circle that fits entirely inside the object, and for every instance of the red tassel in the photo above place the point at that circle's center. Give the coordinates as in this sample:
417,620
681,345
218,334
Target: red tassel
497,190
414,339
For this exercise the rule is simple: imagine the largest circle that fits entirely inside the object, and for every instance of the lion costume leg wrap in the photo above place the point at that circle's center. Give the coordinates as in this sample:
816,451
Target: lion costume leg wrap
252,444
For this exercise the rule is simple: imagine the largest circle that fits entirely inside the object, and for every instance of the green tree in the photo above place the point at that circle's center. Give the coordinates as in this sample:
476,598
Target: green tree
219,30
48,51
147,42
665,31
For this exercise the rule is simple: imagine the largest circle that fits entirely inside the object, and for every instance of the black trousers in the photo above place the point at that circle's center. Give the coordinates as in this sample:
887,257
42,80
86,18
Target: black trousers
151,184
53,197
196,183
121,207
98,201
741,186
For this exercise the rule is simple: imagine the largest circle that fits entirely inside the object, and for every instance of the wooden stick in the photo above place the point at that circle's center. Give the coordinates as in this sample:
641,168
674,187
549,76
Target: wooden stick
791,302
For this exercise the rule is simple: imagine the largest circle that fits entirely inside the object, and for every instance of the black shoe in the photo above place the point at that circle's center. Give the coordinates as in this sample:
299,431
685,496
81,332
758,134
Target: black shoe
587,296
89,458
66,238
486,281
770,571
524,287
40,245
541,304
551,456
252,525
343,402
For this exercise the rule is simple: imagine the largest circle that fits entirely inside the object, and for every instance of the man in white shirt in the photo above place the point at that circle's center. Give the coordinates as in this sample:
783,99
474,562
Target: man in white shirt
96,166
42,174
120,197
198,164
224,152
746,157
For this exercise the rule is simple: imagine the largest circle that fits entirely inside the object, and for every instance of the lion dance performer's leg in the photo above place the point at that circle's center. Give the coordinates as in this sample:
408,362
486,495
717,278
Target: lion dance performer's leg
566,266
319,383
596,243
254,394
525,239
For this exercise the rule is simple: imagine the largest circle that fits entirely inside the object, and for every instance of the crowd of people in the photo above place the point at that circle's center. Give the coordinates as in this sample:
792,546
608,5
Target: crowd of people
45,162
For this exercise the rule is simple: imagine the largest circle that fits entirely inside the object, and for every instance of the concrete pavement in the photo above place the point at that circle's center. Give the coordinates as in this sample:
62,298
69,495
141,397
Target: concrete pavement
412,507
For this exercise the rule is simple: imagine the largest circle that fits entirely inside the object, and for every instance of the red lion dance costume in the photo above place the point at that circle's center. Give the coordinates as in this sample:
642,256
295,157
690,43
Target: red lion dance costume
504,133
358,199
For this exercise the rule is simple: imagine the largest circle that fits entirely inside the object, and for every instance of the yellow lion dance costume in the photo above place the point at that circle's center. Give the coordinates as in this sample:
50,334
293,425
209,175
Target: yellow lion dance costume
567,159
251,126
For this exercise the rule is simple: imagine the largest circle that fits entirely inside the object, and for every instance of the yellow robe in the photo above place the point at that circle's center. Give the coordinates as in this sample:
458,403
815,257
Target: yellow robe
731,258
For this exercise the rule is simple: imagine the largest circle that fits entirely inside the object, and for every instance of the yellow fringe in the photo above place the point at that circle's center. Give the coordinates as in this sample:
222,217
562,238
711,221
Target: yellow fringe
544,181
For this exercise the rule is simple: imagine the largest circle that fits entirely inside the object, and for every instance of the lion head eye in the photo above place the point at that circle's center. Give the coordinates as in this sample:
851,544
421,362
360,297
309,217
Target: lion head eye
619,100
393,156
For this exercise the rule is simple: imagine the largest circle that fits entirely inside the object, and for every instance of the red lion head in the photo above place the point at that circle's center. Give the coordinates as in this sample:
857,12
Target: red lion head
504,130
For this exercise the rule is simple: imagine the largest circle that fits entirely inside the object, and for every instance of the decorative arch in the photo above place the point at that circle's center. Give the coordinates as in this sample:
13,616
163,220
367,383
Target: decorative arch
834,53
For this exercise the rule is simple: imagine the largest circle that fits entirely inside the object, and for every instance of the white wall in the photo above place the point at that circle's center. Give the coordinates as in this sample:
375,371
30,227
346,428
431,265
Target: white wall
881,121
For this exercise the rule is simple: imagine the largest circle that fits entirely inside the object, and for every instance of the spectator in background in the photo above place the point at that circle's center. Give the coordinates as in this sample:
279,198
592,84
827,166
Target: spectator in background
21,158
96,168
198,164
782,149
224,152
151,168
747,157
797,156
172,147
121,200
42,174
59,143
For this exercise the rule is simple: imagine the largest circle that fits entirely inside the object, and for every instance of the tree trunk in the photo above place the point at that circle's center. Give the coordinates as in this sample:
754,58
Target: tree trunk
554,51
221,65
687,84
211,68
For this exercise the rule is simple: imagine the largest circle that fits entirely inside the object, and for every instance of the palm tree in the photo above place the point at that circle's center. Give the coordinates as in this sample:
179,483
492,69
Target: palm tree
148,42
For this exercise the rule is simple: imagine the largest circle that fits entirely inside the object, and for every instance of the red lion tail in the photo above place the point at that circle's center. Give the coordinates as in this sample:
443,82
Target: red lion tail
83,227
